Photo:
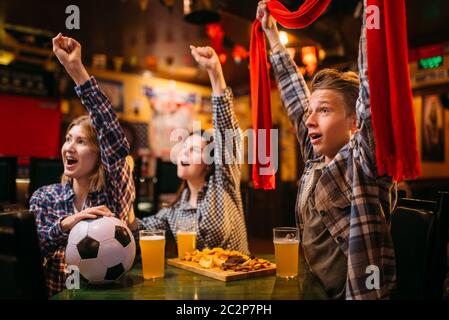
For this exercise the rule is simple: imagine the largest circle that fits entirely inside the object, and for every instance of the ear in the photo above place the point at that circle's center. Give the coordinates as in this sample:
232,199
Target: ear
353,124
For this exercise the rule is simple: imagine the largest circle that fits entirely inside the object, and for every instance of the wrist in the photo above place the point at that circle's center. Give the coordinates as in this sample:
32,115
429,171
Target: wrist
274,39
78,73
276,47
217,81
215,73
272,36
65,224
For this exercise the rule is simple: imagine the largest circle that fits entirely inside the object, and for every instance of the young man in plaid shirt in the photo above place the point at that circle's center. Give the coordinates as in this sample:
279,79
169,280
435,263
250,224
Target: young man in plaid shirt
343,205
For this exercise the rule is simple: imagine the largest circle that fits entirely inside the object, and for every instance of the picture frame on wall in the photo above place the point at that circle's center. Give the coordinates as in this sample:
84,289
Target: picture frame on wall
113,89
432,129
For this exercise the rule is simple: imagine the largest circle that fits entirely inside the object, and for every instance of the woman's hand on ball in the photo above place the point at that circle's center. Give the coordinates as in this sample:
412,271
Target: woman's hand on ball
90,213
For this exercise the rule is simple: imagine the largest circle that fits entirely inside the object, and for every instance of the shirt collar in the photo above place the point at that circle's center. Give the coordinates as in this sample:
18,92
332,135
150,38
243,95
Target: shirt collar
184,200
315,161
68,193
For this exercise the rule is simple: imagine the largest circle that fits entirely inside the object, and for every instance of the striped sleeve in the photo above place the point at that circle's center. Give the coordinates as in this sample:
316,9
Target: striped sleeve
295,97
227,139
114,147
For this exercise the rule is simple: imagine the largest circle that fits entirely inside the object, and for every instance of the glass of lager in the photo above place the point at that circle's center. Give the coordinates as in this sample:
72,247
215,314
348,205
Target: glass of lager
152,248
286,247
186,230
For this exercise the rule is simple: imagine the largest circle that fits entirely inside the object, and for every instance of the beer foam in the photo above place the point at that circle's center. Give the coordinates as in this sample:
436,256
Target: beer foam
152,238
286,241
186,232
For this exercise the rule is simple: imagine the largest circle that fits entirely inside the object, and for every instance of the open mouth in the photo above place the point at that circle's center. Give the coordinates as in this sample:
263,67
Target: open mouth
71,161
315,137
185,164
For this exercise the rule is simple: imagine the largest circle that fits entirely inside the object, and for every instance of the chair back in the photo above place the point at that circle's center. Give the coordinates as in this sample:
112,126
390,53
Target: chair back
8,172
44,172
166,182
20,257
419,230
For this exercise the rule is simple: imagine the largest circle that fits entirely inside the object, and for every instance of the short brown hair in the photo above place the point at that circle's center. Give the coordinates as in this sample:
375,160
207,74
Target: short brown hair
98,179
347,83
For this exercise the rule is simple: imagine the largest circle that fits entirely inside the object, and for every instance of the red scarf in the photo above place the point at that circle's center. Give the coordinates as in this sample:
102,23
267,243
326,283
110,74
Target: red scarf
260,79
390,93
391,105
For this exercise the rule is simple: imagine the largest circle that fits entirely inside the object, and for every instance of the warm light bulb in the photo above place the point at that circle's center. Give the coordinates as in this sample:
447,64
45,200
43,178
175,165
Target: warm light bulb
6,57
283,37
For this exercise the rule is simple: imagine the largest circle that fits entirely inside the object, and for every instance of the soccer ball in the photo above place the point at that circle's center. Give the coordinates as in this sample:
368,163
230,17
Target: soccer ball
103,249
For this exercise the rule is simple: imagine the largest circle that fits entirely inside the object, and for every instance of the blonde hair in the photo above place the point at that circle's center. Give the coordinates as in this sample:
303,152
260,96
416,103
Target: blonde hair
98,178
347,83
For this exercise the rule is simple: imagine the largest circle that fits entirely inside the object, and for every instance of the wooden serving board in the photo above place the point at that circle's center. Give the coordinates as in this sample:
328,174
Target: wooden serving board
218,274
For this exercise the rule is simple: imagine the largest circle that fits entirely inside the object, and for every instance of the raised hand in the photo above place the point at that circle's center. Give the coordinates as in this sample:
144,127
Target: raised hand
68,52
207,58
269,25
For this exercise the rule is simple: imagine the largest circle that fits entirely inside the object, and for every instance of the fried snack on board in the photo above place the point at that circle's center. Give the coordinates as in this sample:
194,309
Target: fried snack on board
219,258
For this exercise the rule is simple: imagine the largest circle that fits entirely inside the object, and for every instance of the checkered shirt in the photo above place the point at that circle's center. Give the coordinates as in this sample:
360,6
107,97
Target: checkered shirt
352,199
50,204
219,209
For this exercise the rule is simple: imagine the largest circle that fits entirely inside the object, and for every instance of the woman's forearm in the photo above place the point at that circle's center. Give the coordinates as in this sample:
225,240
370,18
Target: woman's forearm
78,73
217,81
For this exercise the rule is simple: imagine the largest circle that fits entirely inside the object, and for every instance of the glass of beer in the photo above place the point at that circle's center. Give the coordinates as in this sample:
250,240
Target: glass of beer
286,251
186,229
152,247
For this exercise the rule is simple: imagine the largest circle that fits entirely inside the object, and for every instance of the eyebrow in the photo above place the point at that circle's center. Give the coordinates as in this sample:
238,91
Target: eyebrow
323,101
79,136
329,106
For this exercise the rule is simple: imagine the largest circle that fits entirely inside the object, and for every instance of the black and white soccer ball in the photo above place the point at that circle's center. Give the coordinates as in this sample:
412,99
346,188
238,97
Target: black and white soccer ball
103,249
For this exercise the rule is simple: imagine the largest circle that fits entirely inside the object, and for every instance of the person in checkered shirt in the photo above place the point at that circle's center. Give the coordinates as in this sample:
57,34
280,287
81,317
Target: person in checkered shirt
343,204
210,192
97,179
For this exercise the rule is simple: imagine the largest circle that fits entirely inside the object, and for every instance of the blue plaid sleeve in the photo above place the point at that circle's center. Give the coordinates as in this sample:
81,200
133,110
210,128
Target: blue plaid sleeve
370,244
48,223
114,147
363,140
295,97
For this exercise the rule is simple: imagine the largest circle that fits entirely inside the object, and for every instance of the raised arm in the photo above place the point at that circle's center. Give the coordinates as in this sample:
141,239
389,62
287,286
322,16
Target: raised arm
114,147
369,239
227,133
291,84
223,225
364,140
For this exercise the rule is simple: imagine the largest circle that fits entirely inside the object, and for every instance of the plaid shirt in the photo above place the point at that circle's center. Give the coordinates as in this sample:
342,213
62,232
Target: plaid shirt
353,201
52,203
219,209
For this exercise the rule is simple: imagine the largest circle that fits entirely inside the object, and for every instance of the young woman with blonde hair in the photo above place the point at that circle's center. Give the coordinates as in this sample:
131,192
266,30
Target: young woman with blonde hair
97,179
